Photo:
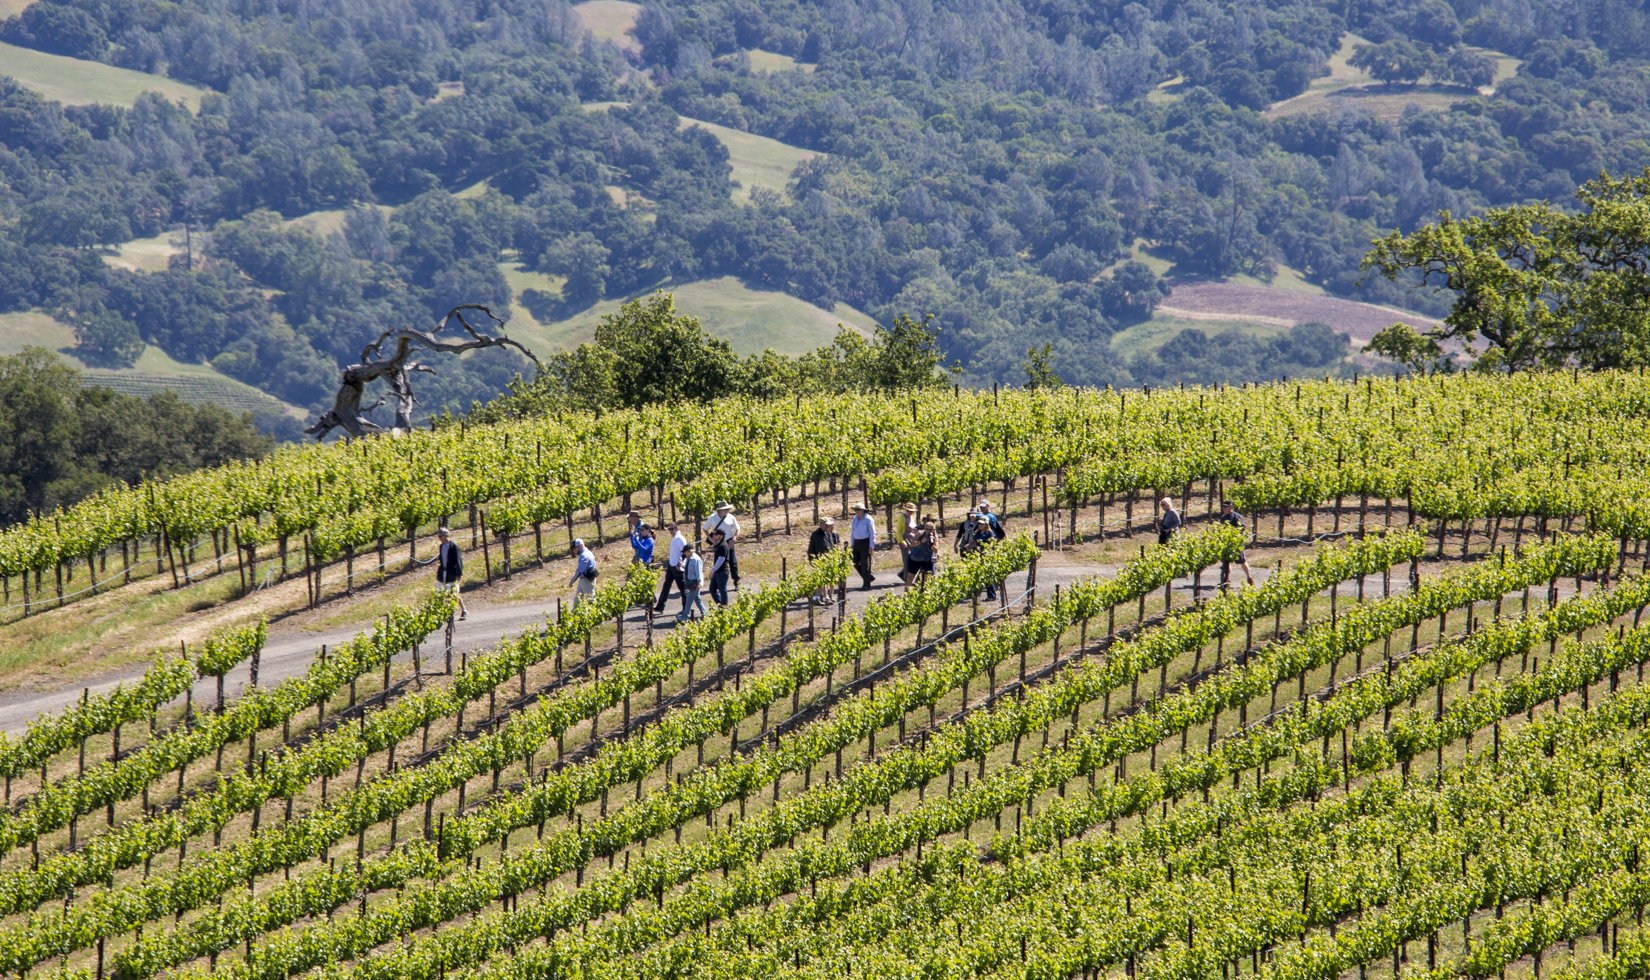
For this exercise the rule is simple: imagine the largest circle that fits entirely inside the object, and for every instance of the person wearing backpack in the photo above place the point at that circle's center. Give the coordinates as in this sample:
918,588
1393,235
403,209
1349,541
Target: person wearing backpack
919,563
724,522
449,569
1230,517
584,573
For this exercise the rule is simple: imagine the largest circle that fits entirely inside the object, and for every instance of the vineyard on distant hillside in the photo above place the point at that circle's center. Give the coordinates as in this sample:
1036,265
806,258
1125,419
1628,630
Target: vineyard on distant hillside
1413,749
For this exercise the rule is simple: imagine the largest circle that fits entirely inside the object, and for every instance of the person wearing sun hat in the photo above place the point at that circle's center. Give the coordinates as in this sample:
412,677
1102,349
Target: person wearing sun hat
862,538
723,521
822,542
909,509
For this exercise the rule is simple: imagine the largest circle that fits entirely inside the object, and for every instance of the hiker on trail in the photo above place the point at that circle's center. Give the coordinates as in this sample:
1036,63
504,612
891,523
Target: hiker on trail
719,549
920,563
641,539
584,572
724,521
449,569
862,538
972,537
673,567
1169,523
693,576
1228,515
991,519
822,542
909,510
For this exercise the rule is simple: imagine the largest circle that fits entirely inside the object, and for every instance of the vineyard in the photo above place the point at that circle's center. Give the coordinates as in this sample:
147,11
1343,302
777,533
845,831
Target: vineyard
1413,748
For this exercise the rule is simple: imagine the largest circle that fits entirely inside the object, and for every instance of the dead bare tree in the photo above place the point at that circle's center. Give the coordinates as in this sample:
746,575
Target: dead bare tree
396,372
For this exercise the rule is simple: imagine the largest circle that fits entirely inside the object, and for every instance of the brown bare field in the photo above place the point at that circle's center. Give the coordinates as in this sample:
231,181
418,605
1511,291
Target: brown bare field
1283,308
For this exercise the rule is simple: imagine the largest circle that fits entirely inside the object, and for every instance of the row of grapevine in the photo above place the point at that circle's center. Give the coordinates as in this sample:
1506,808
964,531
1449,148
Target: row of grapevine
345,497
1131,796
865,784
161,684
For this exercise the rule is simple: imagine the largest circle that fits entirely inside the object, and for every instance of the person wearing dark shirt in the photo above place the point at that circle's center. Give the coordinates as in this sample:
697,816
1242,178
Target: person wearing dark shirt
1230,516
972,537
1169,523
823,541
720,550
449,569
920,559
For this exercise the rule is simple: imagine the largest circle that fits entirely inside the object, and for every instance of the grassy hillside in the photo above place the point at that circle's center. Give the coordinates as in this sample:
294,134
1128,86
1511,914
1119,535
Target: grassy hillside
611,20
1347,87
757,160
1153,333
76,82
750,319
154,371
771,61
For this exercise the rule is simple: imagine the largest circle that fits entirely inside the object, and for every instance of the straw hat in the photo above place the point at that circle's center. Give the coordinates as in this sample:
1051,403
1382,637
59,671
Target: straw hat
909,508
723,505
860,507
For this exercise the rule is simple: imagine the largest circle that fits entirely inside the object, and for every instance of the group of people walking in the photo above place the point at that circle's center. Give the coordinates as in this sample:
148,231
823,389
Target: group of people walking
684,560
918,543
684,564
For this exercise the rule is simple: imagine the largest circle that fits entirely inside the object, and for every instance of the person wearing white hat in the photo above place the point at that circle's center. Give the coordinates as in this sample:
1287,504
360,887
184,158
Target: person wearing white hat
724,521
822,542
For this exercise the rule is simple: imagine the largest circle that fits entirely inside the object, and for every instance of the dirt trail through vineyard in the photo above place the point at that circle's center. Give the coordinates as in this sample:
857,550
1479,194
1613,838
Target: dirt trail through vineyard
289,652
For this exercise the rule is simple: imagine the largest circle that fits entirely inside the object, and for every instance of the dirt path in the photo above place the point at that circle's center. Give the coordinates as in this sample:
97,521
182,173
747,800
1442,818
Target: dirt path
290,652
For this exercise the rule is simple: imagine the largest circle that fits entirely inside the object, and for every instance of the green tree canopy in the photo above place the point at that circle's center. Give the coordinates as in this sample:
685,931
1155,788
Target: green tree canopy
648,352
61,440
1535,286
1392,61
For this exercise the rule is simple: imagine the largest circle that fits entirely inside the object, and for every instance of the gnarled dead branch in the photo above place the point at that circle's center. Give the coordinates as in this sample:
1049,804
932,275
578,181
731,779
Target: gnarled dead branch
396,372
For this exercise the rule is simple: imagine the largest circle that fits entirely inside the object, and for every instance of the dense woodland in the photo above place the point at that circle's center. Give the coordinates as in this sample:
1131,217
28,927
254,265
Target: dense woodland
986,161
62,440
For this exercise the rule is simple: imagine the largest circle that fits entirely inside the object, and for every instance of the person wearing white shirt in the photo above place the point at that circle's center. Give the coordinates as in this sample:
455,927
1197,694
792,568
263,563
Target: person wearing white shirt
724,521
673,568
862,538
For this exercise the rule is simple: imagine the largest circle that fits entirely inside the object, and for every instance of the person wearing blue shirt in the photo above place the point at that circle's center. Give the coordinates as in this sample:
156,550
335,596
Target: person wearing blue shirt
584,572
862,540
641,540
693,576
996,526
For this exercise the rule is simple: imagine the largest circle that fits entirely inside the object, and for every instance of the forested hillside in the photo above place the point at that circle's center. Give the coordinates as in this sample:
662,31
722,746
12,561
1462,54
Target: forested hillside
994,162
